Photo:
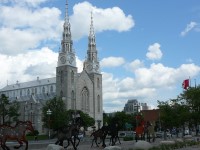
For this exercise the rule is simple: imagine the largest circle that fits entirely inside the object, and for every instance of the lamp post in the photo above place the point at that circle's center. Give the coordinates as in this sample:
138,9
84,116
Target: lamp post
49,112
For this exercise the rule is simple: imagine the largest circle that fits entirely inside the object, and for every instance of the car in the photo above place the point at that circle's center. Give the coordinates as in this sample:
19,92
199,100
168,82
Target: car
81,136
186,131
160,134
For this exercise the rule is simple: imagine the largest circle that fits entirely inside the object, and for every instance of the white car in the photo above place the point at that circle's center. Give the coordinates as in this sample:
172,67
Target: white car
80,135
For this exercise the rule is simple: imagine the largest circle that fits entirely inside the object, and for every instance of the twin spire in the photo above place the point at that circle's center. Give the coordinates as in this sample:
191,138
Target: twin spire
67,44
66,13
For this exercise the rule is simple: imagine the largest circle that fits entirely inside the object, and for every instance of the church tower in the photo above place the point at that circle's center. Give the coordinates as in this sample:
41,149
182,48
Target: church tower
66,66
91,66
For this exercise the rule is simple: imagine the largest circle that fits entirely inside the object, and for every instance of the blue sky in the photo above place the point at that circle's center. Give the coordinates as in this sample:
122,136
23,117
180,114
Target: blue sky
146,48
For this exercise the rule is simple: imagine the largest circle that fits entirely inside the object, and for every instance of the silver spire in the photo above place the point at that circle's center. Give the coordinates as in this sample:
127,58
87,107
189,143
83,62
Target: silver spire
91,26
66,13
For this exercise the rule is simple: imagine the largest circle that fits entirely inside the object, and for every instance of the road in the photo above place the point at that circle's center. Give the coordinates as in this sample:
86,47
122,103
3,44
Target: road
86,145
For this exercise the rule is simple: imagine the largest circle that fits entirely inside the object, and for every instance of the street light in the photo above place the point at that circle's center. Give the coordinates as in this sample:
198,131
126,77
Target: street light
49,112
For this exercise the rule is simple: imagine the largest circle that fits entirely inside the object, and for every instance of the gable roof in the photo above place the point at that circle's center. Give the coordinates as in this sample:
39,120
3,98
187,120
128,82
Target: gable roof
38,82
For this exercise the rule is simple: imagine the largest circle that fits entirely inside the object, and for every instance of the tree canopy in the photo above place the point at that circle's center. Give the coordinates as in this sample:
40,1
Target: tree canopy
60,116
183,110
9,111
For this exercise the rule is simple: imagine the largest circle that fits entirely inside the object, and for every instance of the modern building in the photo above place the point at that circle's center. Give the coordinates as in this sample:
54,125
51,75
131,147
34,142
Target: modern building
80,91
133,106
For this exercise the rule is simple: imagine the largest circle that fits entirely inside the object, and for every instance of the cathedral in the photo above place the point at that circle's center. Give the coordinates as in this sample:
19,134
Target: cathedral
79,91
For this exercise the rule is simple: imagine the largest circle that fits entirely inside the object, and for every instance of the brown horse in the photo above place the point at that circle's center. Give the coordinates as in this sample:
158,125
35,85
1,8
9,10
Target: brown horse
140,131
69,133
15,133
97,134
151,132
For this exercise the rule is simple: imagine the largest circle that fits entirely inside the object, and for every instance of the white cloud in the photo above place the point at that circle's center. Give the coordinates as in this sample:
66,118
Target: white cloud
154,52
104,19
31,3
134,65
112,62
27,66
30,65
34,26
28,27
148,85
188,28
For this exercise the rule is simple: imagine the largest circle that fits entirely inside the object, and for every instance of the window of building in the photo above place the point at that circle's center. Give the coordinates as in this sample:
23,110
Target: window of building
51,89
61,76
61,94
20,92
73,101
28,92
43,89
32,91
85,105
98,83
72,77
98,104
35,90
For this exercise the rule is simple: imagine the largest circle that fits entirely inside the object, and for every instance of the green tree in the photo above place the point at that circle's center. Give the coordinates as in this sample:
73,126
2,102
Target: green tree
191,99
9,111
87,120
59,115
121,118
173,113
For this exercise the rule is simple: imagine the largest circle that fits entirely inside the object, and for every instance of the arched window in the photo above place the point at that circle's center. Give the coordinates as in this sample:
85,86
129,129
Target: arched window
61,94
98,104
61,76
72,77
73,101
98,83
51,89
35,90
85,104
43,89
28,92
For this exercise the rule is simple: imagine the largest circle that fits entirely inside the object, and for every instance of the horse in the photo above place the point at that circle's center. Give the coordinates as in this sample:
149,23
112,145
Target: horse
69,133
97,134
15,133
113,131
151,132
140,131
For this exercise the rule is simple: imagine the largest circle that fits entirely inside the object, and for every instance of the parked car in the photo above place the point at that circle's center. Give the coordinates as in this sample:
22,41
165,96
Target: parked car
186,131
81,136
160,134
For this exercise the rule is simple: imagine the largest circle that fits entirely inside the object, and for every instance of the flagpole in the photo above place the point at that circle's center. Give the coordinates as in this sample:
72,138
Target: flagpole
189,82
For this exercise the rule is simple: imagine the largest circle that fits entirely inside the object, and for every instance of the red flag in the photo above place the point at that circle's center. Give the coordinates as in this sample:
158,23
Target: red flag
185,84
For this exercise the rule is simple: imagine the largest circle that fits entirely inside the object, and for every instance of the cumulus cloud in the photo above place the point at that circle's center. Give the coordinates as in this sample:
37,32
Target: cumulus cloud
28,66
188,28
33,26
134,65
154,52
104,19
27,27
112,62
146,85
30,3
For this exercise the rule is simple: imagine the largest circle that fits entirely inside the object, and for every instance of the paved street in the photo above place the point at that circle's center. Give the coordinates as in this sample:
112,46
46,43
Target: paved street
86,145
